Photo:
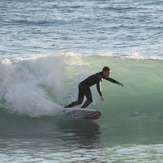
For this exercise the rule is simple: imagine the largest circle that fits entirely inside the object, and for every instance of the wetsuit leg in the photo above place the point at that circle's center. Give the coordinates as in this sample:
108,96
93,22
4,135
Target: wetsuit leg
80,98
88,94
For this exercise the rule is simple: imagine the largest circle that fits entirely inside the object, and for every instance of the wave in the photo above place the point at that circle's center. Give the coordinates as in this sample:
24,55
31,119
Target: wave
42,85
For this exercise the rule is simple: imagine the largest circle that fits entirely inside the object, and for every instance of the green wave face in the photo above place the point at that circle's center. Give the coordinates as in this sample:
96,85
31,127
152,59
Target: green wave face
142,79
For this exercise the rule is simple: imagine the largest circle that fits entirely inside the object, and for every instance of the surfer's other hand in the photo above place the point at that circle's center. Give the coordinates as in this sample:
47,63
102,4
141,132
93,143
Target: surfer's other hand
102,99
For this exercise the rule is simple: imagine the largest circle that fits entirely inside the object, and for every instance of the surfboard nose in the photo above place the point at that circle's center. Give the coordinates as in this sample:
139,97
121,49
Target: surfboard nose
98,112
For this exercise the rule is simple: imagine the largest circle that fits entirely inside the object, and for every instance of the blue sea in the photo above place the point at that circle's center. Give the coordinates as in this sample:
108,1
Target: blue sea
47,47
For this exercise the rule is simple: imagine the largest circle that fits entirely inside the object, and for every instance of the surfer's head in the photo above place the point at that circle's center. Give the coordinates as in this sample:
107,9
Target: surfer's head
106,71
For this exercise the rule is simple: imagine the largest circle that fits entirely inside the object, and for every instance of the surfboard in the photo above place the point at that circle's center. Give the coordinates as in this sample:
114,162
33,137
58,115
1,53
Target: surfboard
83,113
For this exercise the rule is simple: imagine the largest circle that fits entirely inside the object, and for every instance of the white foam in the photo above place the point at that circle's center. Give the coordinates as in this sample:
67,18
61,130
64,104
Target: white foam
106,54
135,55
70,54
24,85
35,86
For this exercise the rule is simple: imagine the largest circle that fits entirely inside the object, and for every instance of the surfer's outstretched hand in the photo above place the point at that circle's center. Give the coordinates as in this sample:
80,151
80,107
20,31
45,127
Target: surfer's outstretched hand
121,84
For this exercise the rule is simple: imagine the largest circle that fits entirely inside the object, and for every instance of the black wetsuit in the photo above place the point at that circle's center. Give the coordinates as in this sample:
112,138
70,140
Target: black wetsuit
84,89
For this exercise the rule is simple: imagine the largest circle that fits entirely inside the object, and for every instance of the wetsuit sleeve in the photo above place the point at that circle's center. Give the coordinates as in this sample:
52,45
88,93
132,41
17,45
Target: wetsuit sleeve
111,80
99,88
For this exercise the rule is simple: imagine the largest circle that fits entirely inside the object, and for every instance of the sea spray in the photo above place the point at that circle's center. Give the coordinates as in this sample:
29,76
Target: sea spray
24,85
38,86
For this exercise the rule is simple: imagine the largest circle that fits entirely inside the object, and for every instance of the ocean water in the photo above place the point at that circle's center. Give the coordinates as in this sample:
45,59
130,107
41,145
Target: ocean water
48,47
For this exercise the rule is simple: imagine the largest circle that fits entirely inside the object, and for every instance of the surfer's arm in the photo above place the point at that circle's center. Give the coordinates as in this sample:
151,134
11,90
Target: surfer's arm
114,81
99,88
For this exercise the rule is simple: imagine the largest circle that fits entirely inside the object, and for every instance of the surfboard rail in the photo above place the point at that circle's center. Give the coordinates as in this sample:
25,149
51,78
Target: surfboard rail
83,113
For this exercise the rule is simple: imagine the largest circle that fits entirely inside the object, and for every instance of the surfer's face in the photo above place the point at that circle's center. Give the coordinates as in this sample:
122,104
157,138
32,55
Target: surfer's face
106,73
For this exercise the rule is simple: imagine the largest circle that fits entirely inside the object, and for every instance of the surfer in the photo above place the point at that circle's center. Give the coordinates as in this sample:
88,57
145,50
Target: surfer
84,87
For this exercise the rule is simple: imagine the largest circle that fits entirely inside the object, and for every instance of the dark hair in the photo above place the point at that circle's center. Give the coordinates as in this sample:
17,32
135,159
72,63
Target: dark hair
105,69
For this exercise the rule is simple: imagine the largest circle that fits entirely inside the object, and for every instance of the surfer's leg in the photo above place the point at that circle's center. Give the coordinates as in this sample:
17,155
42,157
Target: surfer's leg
72,104
88,94
80,99
86,104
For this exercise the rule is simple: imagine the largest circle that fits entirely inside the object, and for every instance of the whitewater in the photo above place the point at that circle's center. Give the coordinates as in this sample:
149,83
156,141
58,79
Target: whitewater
48,47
